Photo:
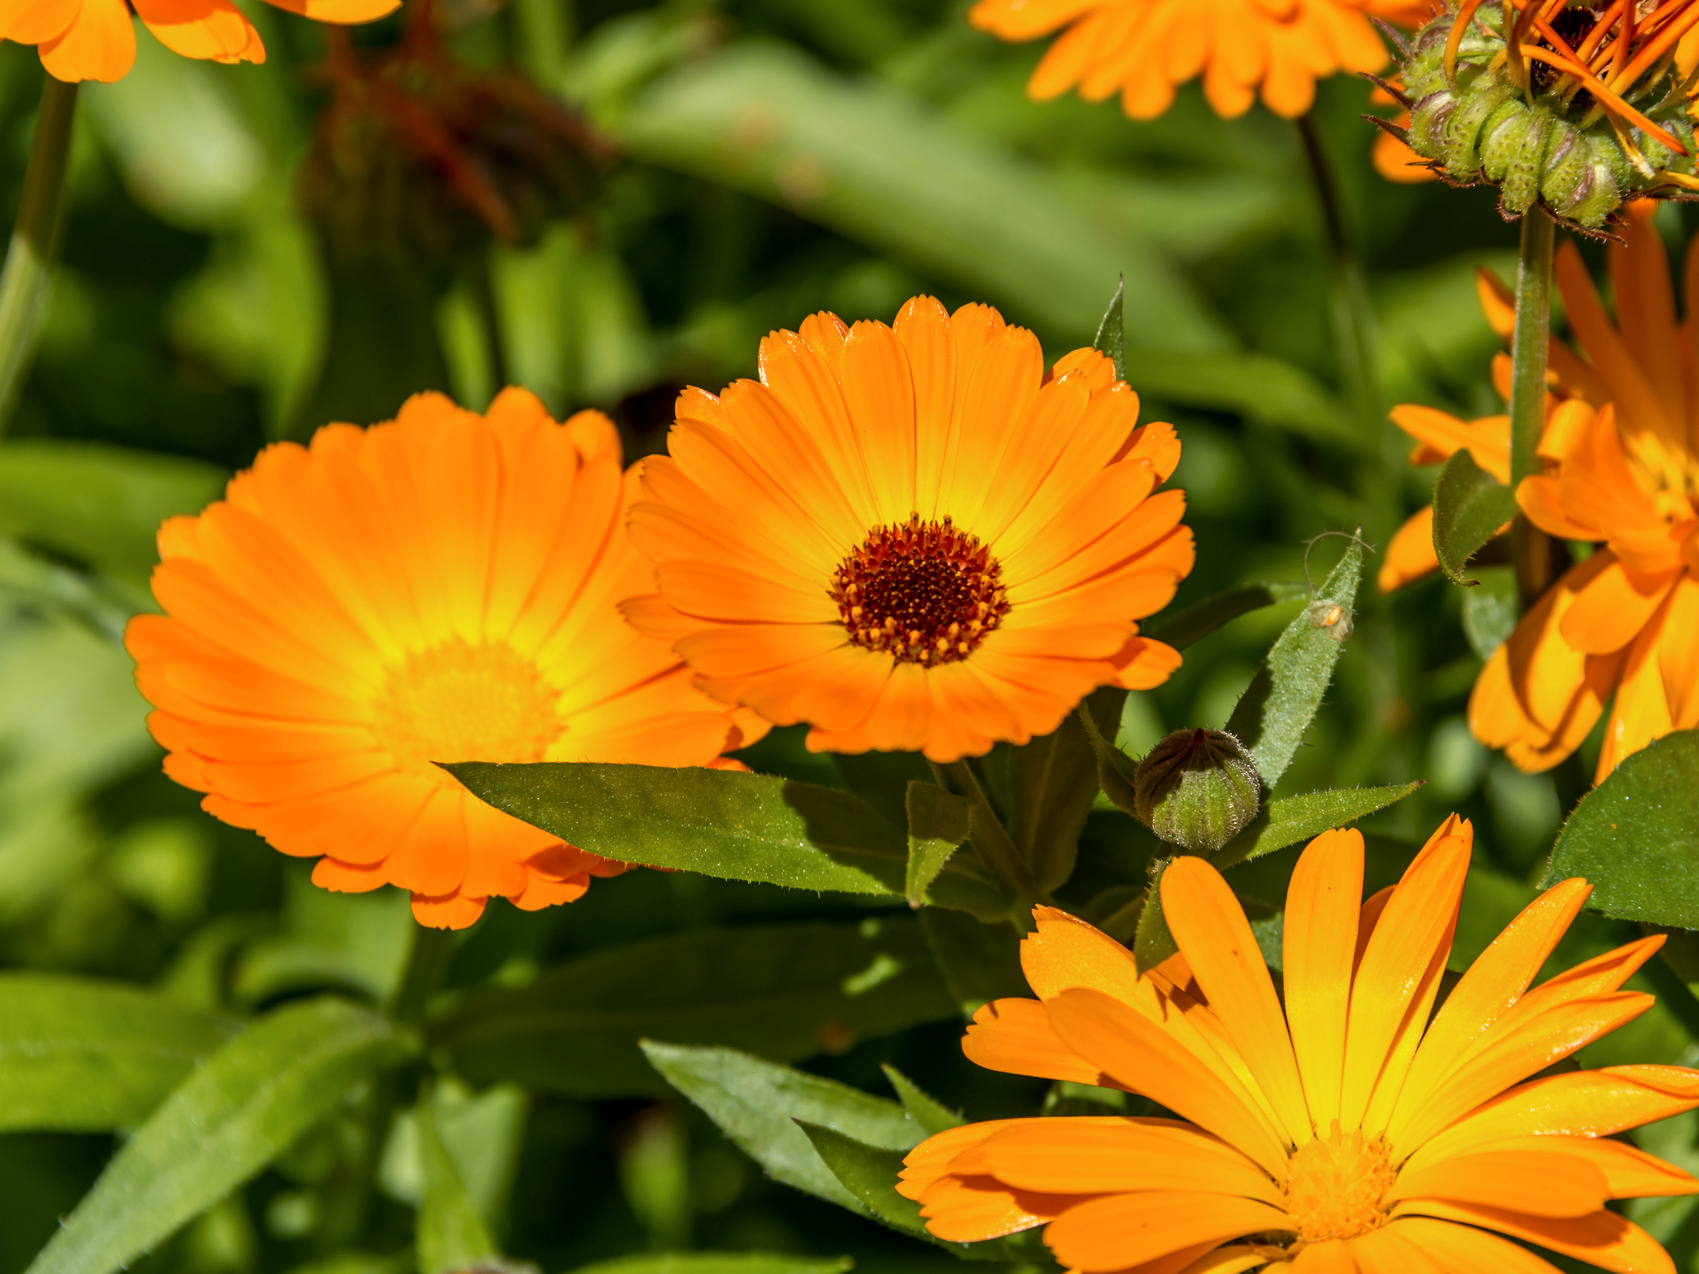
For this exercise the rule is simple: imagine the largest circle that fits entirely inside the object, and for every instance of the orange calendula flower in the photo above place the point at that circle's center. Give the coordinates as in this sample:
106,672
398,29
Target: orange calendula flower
1144,49
911,537
1341,1130
442,587
96,39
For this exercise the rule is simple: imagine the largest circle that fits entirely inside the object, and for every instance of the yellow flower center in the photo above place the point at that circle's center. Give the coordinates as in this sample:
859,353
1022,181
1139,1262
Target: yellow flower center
1337,1184
924,592
459,702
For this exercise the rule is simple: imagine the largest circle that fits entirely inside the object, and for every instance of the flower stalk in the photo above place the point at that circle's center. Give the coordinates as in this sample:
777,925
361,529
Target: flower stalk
1528,352
23,280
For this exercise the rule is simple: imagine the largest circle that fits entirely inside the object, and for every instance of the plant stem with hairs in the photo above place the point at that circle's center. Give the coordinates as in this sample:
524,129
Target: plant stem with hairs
1531,546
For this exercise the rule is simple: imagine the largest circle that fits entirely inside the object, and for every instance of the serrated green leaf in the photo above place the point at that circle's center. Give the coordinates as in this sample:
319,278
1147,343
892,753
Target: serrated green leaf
869,1174
83,1056
230,1118
1491,609
1470,507
1152,943
450,1235
1052,783
1200,619
757,1104
980,962
930,1114
783,991
938,822
720,1263
1283,697
1111,337
1287,820
1636,836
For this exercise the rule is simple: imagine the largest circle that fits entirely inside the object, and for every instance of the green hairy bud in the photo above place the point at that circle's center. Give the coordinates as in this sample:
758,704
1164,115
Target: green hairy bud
1197,789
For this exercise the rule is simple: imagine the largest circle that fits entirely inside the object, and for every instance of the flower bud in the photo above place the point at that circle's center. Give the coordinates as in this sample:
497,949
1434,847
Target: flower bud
1197,789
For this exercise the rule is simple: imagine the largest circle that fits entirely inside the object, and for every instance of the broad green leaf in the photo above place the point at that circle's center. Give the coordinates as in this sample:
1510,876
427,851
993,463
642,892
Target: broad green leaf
1052,783
1636,836
84,1056
237,1112
1111,337
1491,609
757,1104
720,1263
1286,820
1263,390
450,1235
783,991
848,154
1470,507
1283,697
870,1175
927,1111
980,962
99,504
1116,771
1200,619
717,822
1152,943
937,825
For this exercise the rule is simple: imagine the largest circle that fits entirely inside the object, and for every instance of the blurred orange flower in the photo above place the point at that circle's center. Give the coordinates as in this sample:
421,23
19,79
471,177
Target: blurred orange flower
442,587
1340,1130
910,537
1144,49
96,39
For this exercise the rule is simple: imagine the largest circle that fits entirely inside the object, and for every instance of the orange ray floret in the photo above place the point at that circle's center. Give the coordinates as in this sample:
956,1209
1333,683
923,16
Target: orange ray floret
442,587
910,537
1406,1147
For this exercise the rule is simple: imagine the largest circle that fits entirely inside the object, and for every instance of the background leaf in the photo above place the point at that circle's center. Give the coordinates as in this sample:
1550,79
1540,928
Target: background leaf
1052,783
979,961
720,1263
1636,836
451,1234
870,1175
1470,507
938,823
1200,619
1491,609
927,1112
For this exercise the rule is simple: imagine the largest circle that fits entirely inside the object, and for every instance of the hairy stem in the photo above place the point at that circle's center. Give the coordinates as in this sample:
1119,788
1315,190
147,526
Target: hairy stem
23,281
1532,547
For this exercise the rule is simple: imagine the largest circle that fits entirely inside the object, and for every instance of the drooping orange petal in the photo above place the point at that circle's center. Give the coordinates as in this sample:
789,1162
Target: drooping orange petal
1462,1249
1410,553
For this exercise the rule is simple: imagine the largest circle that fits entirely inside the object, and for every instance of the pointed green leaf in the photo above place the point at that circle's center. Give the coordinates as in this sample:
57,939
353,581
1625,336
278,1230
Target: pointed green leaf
1470,507
1152,944
1111,332
937,825
1200,619
1491,609
1636,836
450,1234
1287,820
230,1118
1052,783
927,1111
783,991
1283,697
720,1263
869,1174
757,1104
980,962
83,1056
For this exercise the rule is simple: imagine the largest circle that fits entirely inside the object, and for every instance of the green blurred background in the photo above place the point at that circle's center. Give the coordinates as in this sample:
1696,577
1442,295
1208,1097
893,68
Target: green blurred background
774,157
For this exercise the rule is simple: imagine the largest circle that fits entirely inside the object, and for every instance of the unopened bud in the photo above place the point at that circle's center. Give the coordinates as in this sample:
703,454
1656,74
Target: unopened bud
1197,789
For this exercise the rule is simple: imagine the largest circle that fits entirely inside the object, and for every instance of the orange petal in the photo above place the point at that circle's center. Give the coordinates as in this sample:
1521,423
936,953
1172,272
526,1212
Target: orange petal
345,11
1544,1183
213,29
1332,1256
100,44
1603,1239
1626,1171
1015,1037
1322,905
448,912
1410,553
1123,1230
1462,1249
1612,608
1109,1156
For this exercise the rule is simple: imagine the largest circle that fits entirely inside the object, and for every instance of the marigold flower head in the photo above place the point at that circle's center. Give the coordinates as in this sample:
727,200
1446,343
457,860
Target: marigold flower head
442,587
96,39
1145,49
1575,107
910,536
1342,1130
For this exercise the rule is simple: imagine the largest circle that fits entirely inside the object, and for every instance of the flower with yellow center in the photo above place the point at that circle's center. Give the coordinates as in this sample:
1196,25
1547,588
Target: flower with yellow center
1339,1132
442,587
910,537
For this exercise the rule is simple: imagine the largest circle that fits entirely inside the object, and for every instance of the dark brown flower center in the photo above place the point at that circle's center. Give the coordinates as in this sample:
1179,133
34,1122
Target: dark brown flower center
922,591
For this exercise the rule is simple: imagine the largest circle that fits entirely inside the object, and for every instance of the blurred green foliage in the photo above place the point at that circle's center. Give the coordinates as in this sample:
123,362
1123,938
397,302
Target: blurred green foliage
776,157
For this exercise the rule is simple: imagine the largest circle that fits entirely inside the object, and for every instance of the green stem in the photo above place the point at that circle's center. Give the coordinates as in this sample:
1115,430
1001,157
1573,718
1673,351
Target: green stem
1528,350
1009,871
23,281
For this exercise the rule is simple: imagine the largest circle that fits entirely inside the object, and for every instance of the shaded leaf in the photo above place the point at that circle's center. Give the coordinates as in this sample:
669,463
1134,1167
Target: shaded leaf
1111,339
230,1118
1636,836
927,1111
1287,820
1470,507
783,991
757,1104
84,1056
1283,697
980,962
938,822
1201,619
719,1263
1052,783
1491,609
870,1175
1152,943
450,1234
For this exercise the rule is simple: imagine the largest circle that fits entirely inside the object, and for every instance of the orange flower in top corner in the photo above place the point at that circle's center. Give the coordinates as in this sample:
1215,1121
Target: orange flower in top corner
1338,1132
442,587
911,537
96,39
1144,49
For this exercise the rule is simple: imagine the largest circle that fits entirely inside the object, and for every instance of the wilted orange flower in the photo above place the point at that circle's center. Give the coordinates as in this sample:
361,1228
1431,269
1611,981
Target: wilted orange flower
910,537
1144,49
96,39
1343,1132
442,587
